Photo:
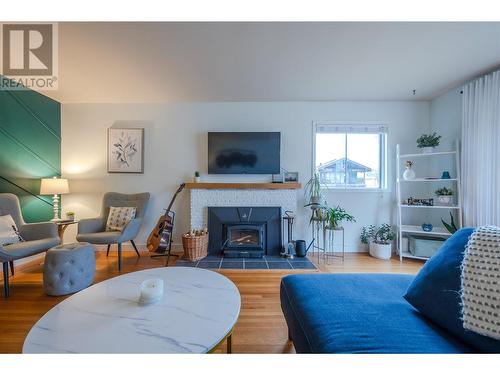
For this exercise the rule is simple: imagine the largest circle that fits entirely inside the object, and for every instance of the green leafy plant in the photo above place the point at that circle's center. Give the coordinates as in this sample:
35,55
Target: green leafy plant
70,213
428,140
196,174
367,233
384,234
313,188
336,215
451,227
444,191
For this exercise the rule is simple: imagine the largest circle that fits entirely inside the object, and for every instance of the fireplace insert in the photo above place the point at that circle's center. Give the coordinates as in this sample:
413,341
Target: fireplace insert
244,236
244,232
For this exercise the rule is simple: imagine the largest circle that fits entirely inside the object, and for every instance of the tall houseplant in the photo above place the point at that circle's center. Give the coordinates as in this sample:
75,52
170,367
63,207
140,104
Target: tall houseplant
313,189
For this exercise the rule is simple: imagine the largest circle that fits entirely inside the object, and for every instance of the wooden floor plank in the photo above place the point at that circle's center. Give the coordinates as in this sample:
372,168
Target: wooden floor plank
261,327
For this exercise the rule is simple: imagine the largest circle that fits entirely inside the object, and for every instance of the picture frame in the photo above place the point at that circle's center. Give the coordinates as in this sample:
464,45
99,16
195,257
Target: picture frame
126,150
291,177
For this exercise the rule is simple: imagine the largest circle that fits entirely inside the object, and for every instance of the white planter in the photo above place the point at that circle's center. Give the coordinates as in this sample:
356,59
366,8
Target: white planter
428,150
445,200
380,251
197,179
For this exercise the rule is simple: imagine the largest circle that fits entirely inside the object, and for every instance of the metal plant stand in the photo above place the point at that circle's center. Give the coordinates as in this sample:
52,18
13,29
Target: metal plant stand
329,252
323,238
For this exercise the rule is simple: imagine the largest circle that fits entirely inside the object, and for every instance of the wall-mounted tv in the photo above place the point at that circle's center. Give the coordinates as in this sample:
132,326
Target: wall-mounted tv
244,152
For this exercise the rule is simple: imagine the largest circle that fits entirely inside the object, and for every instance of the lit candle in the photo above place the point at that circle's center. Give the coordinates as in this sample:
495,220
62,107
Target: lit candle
151,291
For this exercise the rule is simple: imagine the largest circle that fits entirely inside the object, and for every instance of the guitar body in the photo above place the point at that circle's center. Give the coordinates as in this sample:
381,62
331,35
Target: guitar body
160,239
161,236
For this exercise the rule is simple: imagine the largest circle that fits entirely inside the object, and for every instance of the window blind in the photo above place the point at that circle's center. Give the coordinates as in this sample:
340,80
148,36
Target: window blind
351,128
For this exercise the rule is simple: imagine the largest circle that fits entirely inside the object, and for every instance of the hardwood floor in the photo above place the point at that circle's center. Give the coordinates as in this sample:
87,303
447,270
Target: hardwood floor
261,327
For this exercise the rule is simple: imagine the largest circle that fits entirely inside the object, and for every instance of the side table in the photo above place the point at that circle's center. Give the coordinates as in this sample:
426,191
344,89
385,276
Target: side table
62,225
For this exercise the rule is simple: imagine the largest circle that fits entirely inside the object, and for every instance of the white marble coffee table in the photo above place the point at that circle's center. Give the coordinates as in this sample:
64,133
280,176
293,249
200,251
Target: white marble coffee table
198,311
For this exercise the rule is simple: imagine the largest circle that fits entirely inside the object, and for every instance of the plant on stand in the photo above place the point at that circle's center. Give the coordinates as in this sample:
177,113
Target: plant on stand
313,190
336,215
380,240
428,142
444,195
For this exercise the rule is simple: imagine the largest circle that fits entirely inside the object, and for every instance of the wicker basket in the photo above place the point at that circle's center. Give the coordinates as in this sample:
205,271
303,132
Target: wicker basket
195,247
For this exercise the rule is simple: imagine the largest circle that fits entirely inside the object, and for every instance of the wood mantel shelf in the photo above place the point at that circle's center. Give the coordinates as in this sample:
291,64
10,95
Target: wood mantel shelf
243,185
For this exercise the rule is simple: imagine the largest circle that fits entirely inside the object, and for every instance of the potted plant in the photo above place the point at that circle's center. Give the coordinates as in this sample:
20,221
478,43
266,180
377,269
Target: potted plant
380,240
444,195
70,215
197,176
428,142
336,215
319,214
451,227
367,234
313,190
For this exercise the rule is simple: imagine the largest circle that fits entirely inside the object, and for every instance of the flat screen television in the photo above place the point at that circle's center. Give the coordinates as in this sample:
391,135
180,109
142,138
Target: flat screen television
244,152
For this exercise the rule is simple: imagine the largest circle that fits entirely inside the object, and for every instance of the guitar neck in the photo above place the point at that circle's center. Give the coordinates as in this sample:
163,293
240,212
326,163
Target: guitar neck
173,199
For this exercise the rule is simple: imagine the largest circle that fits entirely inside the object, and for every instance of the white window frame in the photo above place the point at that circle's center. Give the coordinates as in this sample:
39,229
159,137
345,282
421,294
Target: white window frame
383,152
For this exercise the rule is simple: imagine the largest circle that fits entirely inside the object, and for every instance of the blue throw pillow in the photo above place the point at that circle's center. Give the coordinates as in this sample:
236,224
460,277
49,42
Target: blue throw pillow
435,292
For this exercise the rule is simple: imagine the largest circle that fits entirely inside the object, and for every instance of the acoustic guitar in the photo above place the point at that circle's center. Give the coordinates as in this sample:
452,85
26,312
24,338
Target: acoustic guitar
160,239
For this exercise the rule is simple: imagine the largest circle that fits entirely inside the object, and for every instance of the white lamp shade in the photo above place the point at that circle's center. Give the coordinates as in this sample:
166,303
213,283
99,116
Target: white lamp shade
54,186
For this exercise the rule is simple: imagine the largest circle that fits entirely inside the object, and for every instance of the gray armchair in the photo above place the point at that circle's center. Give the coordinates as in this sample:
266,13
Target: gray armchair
39,237
94,230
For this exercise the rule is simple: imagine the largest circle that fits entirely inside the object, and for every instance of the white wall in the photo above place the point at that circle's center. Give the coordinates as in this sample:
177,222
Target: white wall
176,146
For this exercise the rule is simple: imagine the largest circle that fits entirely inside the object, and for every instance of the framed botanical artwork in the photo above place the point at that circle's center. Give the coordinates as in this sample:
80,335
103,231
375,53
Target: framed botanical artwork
125,150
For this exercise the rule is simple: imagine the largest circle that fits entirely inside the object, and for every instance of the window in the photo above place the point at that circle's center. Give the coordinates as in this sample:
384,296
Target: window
350,156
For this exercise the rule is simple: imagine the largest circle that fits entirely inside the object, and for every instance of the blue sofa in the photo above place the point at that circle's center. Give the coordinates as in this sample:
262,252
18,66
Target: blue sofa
359,313
377,313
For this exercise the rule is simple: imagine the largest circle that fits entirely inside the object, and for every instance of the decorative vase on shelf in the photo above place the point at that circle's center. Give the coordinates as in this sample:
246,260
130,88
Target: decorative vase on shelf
428,150
445,200
409,173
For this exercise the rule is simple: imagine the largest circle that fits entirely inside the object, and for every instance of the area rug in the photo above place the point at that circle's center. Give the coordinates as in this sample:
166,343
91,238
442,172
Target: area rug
267,262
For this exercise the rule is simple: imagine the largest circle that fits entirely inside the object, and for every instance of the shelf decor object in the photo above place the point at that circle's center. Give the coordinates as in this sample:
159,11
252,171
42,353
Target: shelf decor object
403,186
54,186
409,173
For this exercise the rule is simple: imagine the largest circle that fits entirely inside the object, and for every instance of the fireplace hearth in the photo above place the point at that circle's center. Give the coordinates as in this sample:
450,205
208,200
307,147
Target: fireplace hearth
244,232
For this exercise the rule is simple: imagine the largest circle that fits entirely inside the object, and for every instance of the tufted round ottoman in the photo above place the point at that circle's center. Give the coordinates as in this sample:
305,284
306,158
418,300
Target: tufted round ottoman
68,268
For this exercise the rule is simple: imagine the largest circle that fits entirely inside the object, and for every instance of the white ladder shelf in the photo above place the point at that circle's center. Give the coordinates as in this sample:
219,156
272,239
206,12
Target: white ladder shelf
415,229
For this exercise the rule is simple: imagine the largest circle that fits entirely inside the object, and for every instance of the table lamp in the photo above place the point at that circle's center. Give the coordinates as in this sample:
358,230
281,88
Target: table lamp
54,186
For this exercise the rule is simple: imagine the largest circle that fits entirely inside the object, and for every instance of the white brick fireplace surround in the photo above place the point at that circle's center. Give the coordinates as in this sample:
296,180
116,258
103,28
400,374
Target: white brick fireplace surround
203,197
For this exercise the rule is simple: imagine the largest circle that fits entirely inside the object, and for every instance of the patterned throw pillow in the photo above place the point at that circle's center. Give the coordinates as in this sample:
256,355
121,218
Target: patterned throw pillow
119,217
8,231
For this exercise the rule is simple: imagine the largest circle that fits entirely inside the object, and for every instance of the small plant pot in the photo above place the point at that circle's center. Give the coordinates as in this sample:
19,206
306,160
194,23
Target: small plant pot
380,251
315,200
428,150
70,217
445,200
197,179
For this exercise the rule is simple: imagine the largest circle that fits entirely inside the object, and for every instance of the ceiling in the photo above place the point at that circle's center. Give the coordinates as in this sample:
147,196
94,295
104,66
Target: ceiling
162,62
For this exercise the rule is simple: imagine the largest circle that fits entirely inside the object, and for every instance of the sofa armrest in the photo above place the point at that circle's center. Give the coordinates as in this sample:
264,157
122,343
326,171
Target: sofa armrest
38,231
93,225
131,230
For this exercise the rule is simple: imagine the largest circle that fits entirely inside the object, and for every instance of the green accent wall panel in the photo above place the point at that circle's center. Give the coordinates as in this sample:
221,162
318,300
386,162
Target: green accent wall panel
30,148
